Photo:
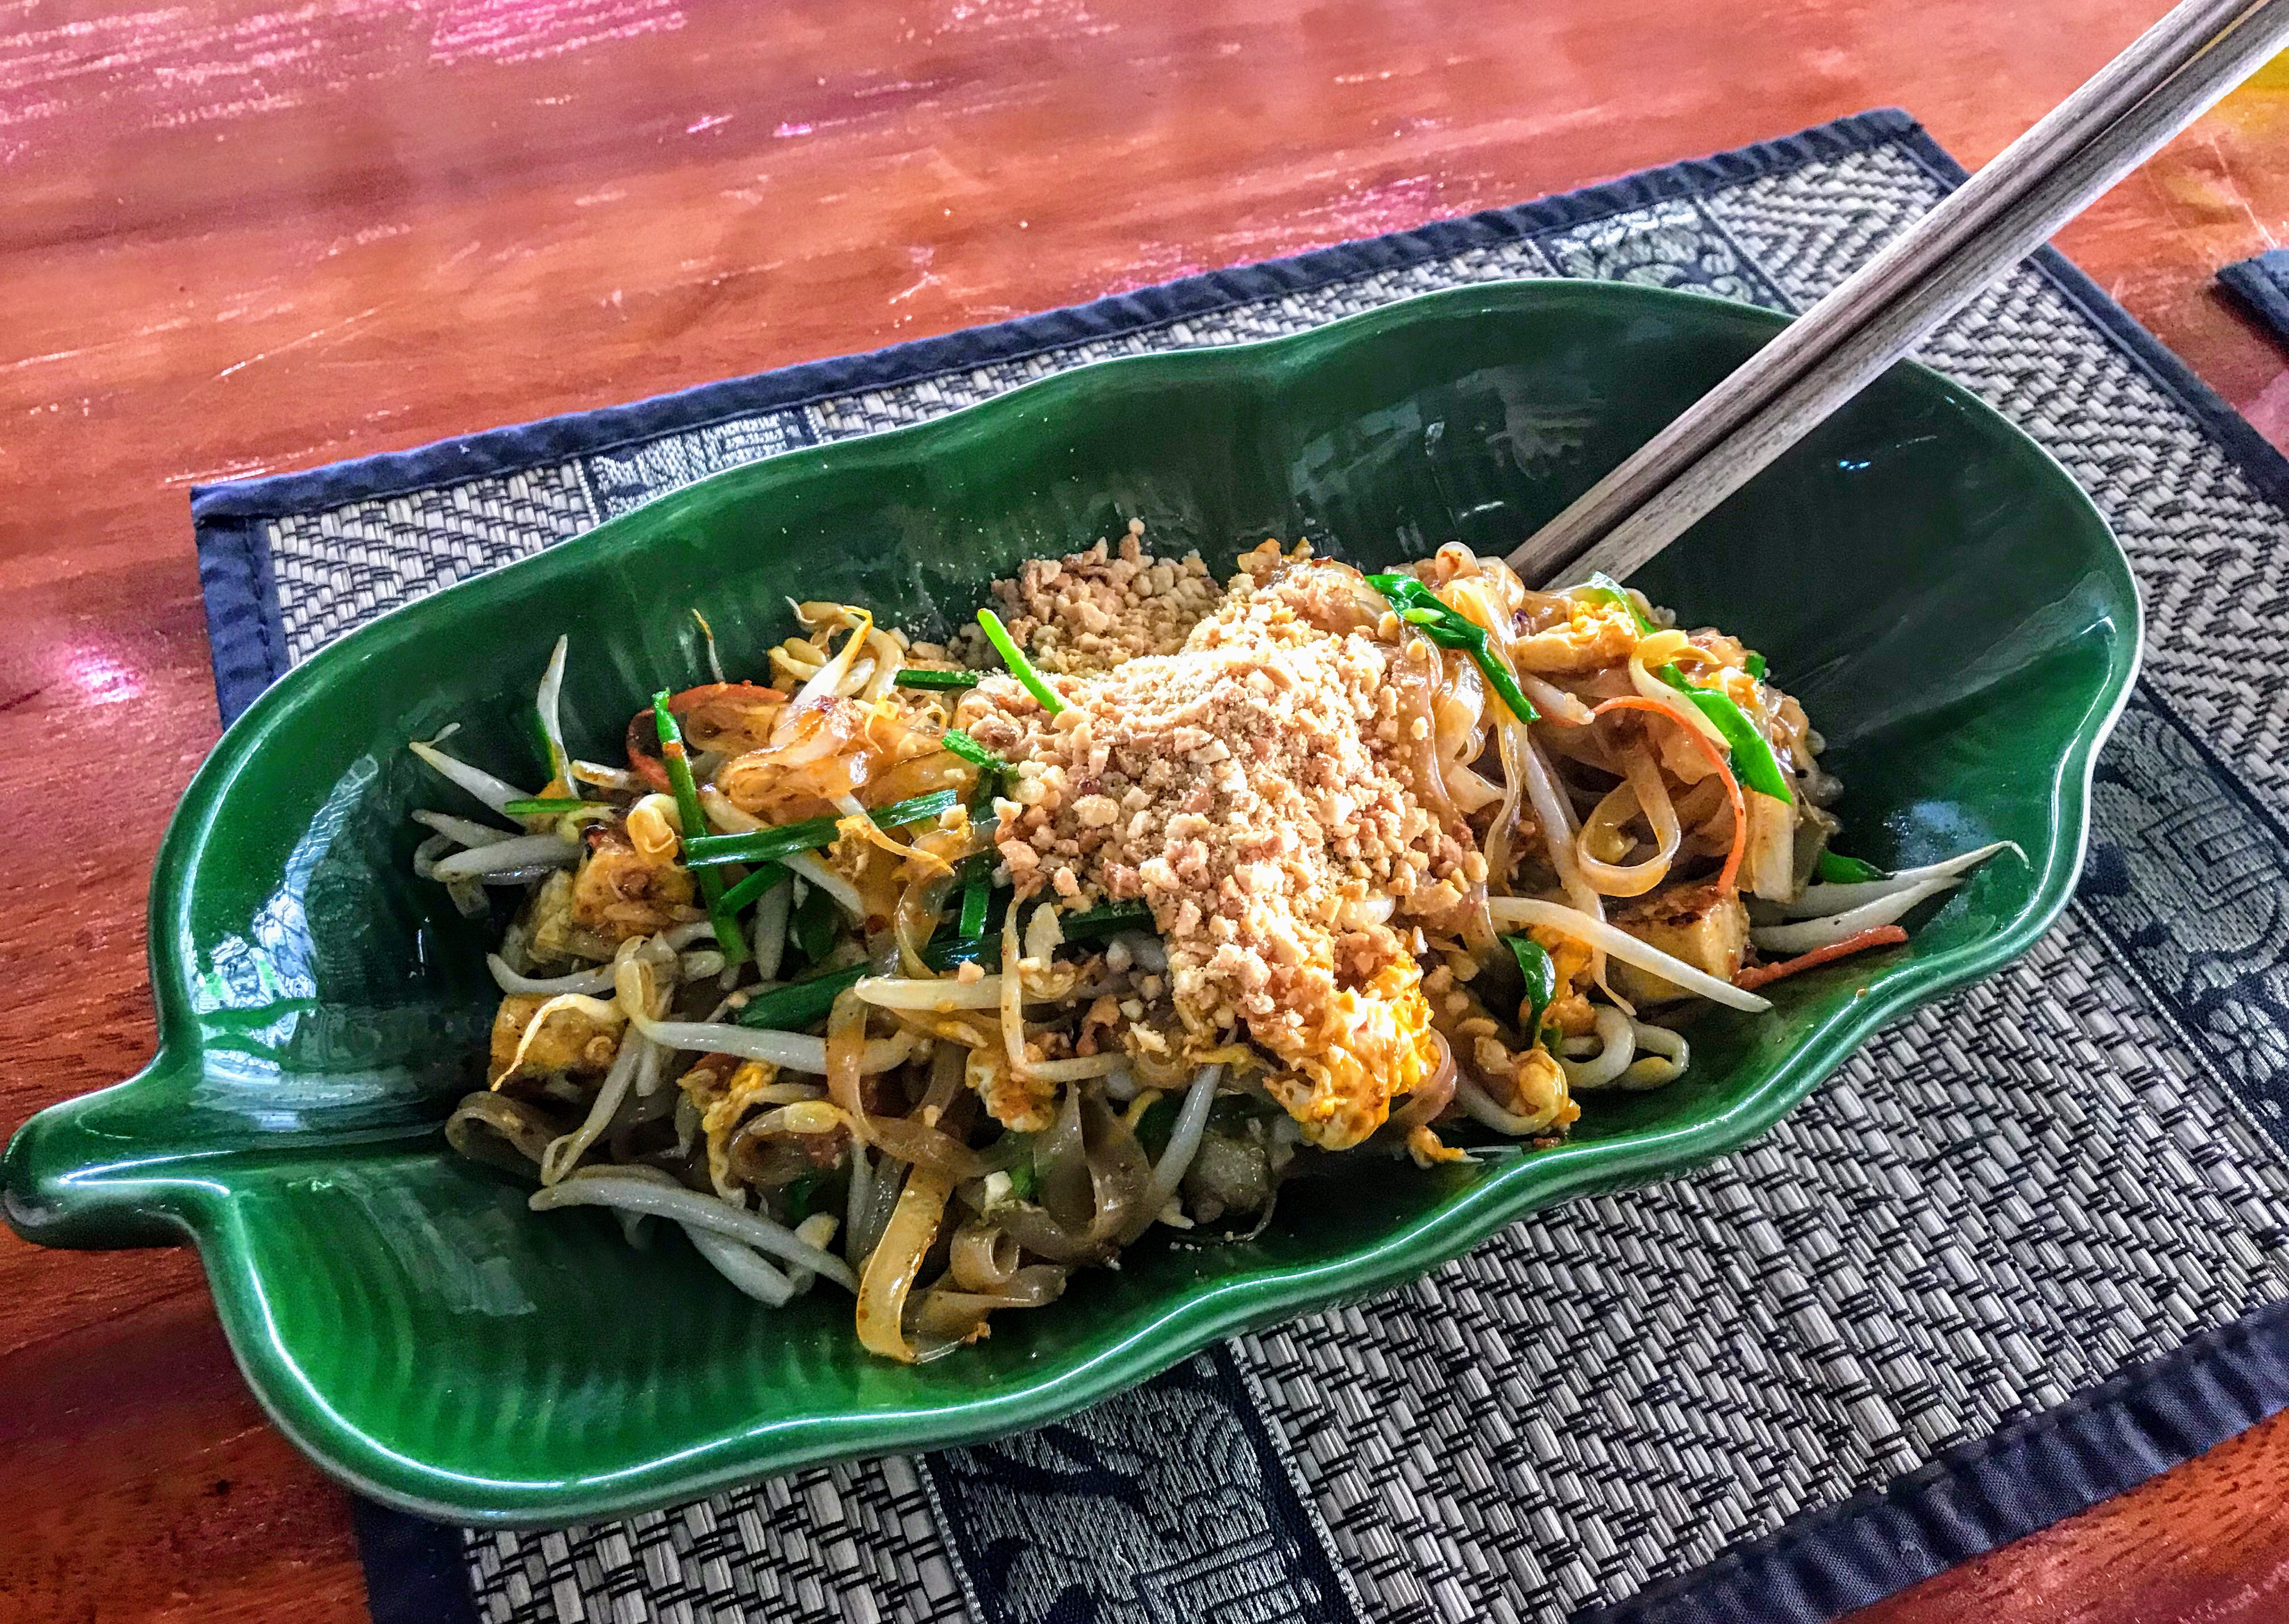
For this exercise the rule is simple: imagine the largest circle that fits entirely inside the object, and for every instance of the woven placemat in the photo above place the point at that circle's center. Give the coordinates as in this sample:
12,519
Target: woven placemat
2023,1251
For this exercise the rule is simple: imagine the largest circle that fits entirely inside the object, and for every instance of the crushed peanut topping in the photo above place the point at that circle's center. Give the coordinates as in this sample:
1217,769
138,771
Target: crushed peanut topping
1255,789
1089,612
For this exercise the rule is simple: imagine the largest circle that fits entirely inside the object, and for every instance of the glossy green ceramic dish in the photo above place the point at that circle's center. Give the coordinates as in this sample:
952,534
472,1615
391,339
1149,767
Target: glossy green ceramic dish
1947,604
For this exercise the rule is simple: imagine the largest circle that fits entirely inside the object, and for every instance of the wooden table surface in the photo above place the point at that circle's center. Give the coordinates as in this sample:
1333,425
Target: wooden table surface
252,237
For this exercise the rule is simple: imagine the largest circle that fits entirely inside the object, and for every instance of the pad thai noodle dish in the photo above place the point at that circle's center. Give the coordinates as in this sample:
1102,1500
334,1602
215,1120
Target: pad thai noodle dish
939,971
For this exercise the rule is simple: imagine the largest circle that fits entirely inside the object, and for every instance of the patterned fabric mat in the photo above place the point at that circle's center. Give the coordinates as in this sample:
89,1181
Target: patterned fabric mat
1678,1402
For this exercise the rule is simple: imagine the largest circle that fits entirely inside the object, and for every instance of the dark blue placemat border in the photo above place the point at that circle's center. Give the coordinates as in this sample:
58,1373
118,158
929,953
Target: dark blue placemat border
1970,1498
2261,283
416,1571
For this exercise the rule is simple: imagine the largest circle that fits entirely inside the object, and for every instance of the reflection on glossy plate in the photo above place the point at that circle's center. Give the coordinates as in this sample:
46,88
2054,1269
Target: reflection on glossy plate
1934,589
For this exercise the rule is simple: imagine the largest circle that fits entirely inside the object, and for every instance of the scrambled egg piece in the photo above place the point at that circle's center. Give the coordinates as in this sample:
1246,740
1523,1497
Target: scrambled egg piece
1594,635
1374,1044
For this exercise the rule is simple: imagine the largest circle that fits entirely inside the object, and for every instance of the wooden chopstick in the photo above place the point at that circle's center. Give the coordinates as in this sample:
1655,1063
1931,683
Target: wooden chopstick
2168,77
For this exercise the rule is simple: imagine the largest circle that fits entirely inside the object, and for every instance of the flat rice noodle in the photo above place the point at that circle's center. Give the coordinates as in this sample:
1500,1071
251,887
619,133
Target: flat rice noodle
984,1257
894,1264
505,1132
1417,681
908,1140
941,1318
1062,1155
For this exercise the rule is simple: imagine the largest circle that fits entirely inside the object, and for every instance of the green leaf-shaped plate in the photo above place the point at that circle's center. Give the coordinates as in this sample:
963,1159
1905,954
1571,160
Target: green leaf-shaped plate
1949,606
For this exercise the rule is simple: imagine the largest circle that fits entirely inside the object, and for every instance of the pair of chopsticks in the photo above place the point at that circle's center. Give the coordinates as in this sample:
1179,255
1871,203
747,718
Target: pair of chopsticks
2168,77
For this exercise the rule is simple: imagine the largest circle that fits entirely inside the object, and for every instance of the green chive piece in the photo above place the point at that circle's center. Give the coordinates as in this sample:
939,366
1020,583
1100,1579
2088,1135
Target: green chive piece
1755,666
977,886
1020,667
944,953
1022,1179
1420,606
1106,920
814,924
786,839
944,681
970,751
728,939
1836,868
760,845
798,1003
1534,963
544,806
750,890
1753,761
919,808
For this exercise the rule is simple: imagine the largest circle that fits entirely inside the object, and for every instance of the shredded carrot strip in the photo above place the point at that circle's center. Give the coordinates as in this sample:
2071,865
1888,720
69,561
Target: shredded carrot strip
1757,976
1638,702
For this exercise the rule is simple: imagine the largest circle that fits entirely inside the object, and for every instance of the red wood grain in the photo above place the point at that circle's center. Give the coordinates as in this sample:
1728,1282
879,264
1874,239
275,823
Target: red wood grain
250,236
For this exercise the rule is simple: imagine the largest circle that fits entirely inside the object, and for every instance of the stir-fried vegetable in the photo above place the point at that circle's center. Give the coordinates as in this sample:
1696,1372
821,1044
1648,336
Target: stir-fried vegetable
1020,667
1540,973
543,806
785,839
944,681
728,939
1419,607
1753,761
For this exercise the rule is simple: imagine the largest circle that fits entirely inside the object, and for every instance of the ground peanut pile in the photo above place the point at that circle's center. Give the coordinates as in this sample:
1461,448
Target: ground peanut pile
1254,789
1089,612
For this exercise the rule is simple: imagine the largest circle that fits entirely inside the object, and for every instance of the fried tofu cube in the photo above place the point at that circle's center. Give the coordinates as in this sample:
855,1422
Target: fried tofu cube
1693,923
572,1040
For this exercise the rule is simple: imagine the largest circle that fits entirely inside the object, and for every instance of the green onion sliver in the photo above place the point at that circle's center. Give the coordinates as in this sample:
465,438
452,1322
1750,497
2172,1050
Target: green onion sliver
1754,665
769,845
1106,920
728,941
1020,667
798,1003
976,887
543,806
947,680
1449,628
1837,870
917,809
1534,963
970,751
750,890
